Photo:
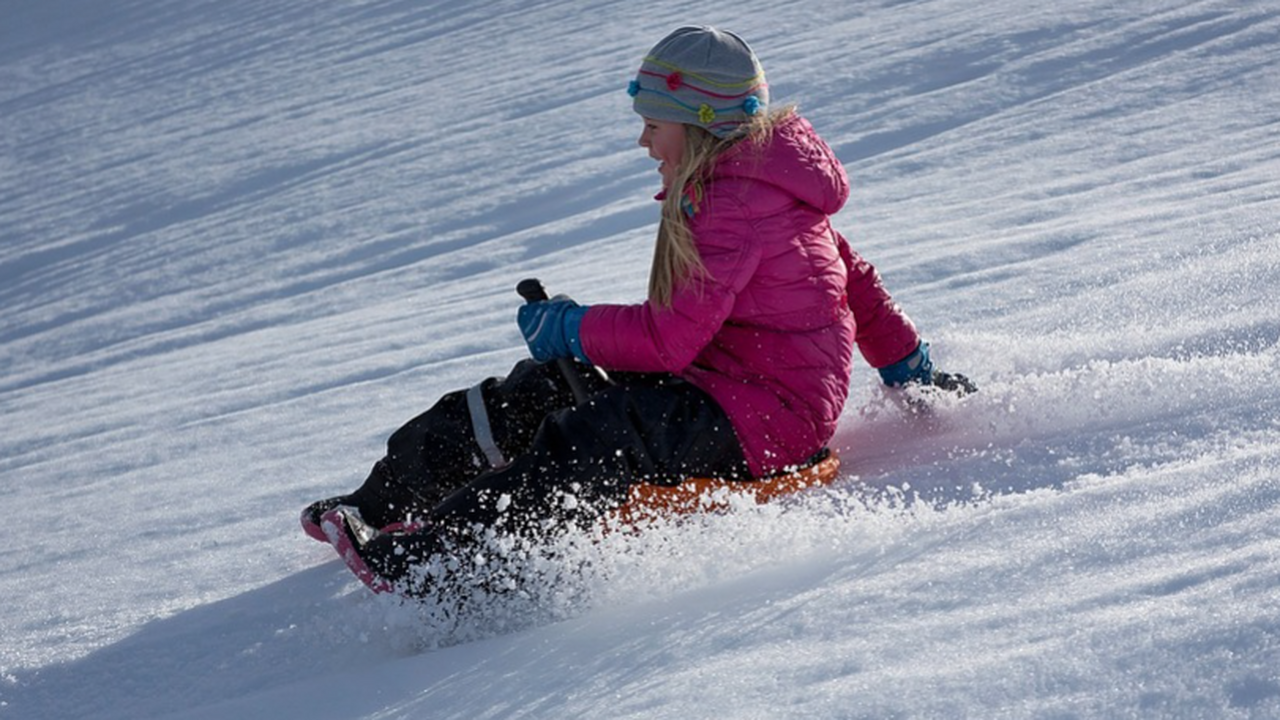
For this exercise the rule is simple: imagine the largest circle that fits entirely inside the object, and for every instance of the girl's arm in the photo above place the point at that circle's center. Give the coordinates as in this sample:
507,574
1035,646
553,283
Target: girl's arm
885,333
646,338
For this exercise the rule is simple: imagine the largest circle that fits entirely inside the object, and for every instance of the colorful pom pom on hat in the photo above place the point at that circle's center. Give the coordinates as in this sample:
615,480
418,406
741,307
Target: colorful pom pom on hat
701,76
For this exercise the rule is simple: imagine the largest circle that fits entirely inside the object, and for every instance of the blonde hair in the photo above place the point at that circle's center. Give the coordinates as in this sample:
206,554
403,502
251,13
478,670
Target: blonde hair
675,255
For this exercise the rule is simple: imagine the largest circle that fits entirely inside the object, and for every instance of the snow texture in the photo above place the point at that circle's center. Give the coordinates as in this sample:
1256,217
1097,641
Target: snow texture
242,241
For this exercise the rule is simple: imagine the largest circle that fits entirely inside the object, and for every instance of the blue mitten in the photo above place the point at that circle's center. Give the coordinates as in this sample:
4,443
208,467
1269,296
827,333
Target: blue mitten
916,367
551,328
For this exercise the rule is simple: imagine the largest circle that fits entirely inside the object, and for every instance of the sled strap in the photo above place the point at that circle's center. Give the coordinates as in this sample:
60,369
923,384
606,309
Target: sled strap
481,428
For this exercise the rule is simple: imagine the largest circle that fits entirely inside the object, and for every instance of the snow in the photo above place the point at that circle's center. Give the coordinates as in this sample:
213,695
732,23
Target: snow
242,241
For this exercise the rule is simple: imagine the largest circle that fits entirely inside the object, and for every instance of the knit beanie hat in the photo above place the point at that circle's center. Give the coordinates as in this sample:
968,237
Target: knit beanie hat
701,76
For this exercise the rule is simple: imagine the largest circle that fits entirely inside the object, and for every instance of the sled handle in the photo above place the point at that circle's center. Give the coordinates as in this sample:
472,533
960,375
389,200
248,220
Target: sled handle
532,291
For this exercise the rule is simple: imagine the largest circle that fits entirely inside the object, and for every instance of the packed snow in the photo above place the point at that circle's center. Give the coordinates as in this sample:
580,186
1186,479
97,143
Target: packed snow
242,241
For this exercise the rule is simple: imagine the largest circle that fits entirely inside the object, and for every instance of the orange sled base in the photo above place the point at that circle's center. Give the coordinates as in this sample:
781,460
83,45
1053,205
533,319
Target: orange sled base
650,502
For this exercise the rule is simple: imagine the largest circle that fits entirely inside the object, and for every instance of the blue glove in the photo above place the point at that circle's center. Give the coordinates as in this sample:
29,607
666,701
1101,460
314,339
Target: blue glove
916,367
550,329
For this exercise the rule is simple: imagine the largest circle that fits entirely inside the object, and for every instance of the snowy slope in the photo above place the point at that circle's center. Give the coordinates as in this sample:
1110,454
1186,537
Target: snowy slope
242,241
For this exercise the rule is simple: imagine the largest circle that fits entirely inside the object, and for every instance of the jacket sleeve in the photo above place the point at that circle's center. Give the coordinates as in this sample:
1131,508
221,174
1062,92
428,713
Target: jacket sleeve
885,334
647,338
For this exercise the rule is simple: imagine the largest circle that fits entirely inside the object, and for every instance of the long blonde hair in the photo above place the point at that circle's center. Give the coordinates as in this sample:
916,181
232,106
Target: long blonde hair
675,255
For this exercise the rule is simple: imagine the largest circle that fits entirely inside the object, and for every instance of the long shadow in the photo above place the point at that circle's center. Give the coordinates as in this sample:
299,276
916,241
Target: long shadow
294,629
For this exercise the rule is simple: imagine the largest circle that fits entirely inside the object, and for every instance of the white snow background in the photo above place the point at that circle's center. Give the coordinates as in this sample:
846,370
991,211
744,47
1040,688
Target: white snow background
242,241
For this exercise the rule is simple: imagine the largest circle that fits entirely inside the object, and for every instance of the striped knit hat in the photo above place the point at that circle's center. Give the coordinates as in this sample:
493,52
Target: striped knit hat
701,76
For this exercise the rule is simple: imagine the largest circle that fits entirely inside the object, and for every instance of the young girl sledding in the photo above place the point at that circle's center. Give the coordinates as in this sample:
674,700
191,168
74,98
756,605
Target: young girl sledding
736,366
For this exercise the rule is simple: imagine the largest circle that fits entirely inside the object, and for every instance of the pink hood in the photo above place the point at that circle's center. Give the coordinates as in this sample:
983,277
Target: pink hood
768,332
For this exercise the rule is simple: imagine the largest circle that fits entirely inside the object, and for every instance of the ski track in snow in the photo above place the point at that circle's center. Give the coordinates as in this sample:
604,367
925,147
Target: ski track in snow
241,242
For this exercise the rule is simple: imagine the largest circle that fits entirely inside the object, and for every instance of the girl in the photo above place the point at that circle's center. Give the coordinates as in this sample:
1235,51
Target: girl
736,366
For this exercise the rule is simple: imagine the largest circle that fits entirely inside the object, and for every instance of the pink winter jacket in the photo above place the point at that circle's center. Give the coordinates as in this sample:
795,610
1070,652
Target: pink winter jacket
769,330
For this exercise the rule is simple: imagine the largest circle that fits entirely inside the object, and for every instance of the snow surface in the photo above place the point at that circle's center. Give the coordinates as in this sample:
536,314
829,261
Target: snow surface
241,241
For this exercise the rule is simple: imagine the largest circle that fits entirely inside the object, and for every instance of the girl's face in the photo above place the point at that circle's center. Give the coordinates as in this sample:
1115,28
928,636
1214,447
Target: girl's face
665,143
